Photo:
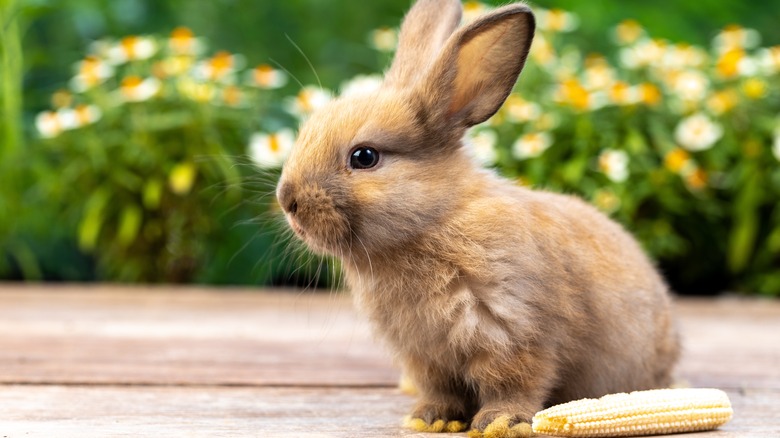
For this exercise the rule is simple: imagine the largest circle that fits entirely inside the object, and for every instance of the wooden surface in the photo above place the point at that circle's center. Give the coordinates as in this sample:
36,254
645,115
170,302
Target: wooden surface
104,361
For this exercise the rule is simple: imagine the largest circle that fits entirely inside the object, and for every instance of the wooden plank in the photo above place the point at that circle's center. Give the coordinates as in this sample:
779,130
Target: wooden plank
200,362
78,334
193,336
730,342
65,412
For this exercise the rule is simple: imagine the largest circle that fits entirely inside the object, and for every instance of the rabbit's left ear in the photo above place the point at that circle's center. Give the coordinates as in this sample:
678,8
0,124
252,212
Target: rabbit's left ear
478,67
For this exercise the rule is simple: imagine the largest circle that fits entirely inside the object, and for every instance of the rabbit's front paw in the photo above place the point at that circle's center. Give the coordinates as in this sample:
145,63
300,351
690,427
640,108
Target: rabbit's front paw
498,424
435,417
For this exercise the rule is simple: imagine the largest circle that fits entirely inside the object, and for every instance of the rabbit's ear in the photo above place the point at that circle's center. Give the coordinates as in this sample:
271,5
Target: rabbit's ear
424,32
478,67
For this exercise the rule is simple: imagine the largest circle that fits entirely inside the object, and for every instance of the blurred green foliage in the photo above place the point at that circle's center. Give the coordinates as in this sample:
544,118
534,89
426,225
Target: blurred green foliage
42,212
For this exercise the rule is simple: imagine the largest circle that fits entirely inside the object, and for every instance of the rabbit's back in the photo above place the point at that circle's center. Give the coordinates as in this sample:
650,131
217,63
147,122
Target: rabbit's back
583,281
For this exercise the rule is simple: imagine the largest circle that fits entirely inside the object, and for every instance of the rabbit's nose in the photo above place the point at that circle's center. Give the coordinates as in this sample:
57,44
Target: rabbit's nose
286,198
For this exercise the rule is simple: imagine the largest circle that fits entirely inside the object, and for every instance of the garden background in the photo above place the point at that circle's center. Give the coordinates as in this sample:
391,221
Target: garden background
140,139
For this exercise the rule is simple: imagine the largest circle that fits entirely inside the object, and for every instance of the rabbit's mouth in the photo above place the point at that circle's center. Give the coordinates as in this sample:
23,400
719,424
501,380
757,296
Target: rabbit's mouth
296,227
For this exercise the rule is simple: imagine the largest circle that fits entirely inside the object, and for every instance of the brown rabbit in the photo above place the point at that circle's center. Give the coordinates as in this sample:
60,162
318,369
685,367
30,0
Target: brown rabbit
497,300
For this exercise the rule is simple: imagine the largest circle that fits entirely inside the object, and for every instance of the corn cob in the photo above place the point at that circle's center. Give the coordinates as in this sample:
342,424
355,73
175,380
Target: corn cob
660,411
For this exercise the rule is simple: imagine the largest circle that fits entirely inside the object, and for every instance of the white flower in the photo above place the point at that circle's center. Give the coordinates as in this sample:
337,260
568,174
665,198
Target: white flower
87,114
736,37
519,110
473,9
231,95
220,68
131,48
361,84
309,99
697,132
769,60
543,52
135,89
52,123
748,66
195,90
531,145
384,39
173,66
265,76
628,32
270,150
614,164
556,20
482,144
91,71
690,85
599,75
682,56
643,54
620,93
183,42
48,124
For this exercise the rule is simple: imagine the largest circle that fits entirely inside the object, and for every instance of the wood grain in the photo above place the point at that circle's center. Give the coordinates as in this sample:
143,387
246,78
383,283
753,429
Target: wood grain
83,361
106,411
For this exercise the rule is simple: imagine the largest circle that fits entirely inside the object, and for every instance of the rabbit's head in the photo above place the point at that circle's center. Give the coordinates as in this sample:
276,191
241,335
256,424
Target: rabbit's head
374,171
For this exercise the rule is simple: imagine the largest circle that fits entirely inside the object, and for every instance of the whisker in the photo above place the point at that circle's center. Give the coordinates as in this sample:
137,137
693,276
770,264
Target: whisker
278,64
319,83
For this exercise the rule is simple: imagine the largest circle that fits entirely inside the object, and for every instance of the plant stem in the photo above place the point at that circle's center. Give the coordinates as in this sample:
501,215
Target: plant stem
10,78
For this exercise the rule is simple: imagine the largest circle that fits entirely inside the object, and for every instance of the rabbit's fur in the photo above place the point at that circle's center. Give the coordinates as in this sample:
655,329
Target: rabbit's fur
497,300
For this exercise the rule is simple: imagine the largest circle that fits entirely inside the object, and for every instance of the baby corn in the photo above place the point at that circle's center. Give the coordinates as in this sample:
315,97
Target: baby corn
660,411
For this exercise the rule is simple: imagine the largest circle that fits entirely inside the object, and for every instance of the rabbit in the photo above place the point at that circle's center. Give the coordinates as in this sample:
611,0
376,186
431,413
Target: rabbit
496,299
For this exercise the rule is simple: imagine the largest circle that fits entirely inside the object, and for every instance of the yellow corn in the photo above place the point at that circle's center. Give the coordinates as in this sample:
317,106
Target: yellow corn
659,411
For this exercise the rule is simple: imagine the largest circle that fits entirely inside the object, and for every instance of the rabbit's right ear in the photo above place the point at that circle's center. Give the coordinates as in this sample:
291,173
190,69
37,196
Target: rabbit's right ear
425,30
477,68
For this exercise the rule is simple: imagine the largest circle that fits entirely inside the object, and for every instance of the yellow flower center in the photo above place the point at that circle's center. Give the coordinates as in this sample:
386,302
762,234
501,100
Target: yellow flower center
232,95
754,88
273,143
129,45
61,99
722,101
472,6
697,179
82,114
575,94
629,31
728,64
90,70
221,64
649,94
129,83
182,34
676,160
181,39
52,120
542,51
263,74
304,101
556,19
620,92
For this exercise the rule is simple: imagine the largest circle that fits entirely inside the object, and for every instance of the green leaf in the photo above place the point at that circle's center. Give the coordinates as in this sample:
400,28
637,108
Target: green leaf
152,194
773,241
166,121
92,221
635,142
27,261
746,223
129,225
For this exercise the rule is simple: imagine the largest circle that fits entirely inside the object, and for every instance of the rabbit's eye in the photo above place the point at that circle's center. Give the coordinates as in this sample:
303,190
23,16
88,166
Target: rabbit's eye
364,158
